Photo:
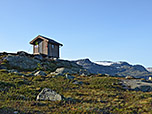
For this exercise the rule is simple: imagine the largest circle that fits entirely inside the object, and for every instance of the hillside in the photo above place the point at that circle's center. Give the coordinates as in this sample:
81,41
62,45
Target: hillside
96,94
39,85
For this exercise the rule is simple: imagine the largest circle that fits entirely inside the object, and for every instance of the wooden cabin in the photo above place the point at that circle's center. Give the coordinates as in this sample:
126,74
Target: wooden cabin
45,46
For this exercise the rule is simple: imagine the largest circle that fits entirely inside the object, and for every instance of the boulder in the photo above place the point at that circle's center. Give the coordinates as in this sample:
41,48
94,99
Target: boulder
150,78
62,71
69,77
40,73
22,53
21,62
39,57
129,77
48,94
84,72
77,82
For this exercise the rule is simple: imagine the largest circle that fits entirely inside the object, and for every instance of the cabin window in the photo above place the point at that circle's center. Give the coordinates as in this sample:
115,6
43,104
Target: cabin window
52,46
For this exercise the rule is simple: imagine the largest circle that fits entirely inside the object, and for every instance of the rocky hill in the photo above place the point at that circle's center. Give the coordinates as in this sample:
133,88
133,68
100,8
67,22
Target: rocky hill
114,68
36,84
24,62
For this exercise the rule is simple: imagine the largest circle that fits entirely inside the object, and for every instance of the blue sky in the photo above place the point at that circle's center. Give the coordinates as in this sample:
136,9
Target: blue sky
116,30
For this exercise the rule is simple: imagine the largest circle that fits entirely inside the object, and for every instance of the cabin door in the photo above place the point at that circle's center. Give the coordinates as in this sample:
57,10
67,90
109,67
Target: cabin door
40,47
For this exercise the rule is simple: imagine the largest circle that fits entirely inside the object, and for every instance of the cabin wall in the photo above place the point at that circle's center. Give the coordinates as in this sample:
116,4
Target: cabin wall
35,49
56,49
53,50
45,47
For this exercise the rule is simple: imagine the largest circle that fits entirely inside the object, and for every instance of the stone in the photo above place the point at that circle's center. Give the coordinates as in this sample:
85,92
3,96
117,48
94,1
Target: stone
32,73
22,53
144,88
22,62
69,77
40,73
39,57
13,71
84,72
48,94
15,112
62,71
129,77
150,78
77,82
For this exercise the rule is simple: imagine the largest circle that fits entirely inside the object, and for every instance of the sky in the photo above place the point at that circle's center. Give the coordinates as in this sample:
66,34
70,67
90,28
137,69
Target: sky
113,30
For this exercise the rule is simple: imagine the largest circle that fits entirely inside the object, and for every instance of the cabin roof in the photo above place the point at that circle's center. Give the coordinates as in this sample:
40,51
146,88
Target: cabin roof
48,39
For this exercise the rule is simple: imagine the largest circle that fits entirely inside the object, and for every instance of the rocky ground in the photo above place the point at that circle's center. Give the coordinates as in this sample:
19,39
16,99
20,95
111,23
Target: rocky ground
39,85
138,85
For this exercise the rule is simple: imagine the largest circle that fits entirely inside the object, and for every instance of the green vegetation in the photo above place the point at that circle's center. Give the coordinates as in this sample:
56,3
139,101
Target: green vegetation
97,94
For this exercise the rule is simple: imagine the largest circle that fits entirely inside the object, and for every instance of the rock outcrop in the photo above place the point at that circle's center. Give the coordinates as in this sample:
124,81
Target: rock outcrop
21,62
137,85
50,95
63,71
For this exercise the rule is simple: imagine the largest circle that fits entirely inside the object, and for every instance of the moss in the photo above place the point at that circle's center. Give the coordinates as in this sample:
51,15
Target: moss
97,94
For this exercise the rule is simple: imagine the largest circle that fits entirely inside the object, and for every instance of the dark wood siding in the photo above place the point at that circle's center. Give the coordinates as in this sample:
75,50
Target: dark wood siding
46,48
53,50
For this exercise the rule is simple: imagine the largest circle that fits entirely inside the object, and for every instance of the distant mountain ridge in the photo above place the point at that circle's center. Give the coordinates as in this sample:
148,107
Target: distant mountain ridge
114,68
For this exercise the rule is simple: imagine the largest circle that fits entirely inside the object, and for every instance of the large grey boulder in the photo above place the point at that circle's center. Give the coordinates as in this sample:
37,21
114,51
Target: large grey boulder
22,62
48,94
40,73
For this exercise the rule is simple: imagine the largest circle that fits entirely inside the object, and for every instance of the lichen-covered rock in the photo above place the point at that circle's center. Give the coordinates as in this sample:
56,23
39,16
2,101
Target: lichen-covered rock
84,72
62,71
48,94
39,57
40,73
22,62
69,77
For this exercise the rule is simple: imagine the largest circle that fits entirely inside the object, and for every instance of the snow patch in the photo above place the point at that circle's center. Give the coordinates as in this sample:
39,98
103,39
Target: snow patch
107,63
104,63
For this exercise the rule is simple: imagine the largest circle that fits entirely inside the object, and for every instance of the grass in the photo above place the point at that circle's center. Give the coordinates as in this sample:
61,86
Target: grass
97,94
